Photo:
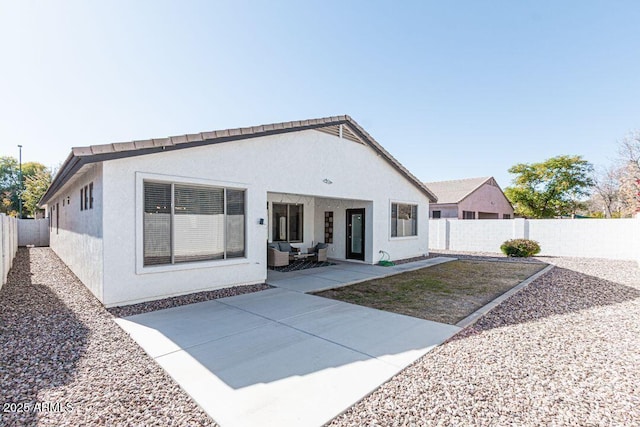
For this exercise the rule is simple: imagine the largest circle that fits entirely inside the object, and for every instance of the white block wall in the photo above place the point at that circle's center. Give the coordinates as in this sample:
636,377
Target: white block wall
8,245
479,235
591,238
33,232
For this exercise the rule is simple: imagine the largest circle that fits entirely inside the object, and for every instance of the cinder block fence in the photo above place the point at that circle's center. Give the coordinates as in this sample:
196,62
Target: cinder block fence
593,238
8,245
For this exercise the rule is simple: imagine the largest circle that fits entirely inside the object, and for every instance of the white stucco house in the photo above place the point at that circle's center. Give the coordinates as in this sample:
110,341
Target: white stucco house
150,219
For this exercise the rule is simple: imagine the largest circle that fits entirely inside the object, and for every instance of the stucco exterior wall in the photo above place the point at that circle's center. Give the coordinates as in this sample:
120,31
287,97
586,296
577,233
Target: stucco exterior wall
293,163
77,237
446,211
487,198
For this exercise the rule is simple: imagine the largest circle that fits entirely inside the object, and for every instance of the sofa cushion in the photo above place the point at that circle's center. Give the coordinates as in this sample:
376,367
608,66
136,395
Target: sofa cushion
273,245
285,246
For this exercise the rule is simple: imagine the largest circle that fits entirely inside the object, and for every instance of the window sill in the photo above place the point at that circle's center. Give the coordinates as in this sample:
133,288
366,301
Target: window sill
196,265
404,238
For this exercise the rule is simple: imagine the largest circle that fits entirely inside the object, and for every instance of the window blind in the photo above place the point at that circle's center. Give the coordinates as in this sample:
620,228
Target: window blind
198,223
185,223
157,223
235,224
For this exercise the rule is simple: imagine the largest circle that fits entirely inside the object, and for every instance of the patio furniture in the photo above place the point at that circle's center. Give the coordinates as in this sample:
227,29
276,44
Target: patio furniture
275,258
300,256
280,253
319,252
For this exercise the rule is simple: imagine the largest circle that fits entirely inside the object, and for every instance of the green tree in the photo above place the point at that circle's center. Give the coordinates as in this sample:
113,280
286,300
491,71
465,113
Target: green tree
35,186
10,185
551,188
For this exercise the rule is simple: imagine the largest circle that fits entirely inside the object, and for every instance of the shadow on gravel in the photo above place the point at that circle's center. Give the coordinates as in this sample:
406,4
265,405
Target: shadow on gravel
561,291
41,341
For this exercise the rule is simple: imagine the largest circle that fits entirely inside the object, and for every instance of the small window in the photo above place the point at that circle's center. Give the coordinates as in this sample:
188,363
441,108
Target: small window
404,220
91,195
468,215
436,214
86,197
81,199
506,216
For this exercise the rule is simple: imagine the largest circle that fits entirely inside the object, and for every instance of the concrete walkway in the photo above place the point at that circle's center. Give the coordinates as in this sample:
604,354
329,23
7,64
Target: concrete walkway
281,357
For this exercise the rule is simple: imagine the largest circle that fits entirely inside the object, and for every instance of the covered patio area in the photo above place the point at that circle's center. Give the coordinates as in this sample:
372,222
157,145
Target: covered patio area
344,225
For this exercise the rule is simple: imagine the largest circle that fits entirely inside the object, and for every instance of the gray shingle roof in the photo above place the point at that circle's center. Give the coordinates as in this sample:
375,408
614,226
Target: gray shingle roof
456,190
81,156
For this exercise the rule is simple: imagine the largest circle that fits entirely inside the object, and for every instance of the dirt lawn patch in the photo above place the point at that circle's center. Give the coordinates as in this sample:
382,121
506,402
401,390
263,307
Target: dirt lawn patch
445,293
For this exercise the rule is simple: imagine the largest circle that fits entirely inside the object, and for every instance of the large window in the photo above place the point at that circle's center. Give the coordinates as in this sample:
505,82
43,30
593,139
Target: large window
287,222
404,220
185,223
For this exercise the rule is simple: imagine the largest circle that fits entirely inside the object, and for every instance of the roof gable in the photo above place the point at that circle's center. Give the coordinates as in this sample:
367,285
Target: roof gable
455,191
341,126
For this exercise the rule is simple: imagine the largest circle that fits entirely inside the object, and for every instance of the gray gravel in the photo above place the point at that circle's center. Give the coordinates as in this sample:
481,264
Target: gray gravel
563,351
64,361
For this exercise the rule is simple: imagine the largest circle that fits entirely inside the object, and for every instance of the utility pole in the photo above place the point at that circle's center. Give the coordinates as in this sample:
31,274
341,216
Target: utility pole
20,182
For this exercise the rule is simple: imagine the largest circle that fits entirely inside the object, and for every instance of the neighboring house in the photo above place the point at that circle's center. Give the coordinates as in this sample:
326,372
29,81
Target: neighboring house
473,198
149,219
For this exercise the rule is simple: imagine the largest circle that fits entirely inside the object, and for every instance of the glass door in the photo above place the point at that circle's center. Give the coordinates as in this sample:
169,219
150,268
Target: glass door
355,234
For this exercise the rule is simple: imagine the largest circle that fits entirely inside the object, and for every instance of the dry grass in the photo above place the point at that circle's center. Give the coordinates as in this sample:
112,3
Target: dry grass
444,293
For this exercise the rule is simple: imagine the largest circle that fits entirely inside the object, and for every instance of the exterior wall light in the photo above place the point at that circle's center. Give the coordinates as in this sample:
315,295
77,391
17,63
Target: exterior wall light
327,181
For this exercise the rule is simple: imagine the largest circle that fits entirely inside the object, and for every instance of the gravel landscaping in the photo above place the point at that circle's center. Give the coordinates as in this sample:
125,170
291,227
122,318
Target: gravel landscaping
563,351
65,362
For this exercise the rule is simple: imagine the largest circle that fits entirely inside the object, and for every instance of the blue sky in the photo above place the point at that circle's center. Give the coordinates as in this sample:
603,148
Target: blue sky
452,89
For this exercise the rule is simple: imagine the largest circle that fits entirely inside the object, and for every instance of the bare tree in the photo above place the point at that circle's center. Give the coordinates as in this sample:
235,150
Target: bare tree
629,152
606,189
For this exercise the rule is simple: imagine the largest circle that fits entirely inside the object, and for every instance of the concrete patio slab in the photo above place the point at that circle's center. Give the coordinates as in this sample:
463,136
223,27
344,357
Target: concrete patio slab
390,337
309,284
281,357
277,304
363,268
166,331
344,275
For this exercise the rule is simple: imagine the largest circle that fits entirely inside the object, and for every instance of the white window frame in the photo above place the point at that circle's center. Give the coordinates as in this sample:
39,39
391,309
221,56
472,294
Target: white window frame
403,202
195,265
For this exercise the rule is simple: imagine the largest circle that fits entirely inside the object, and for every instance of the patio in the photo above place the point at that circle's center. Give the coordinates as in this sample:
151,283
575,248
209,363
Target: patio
280,357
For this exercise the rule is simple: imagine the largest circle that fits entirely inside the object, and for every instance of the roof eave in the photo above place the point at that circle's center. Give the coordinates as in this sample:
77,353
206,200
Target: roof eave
81,156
